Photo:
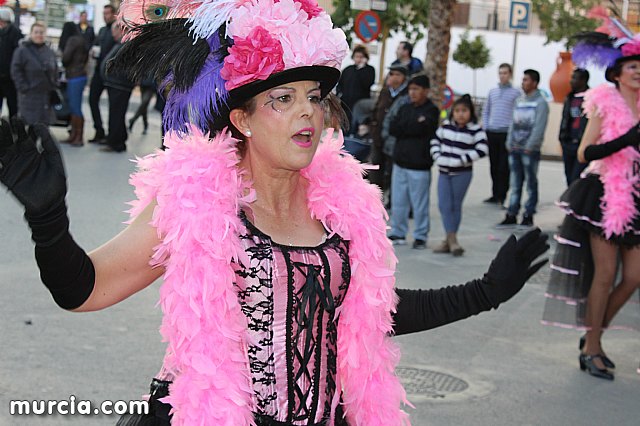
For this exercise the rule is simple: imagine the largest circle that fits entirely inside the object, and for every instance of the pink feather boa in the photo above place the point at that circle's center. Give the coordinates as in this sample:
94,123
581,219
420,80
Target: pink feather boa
199,190
616,171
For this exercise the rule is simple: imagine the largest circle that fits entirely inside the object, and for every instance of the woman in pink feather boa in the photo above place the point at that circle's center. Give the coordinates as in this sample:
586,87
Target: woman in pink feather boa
279,300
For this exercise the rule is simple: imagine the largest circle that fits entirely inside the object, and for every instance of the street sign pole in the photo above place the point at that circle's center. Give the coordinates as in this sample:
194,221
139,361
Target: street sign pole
519,19
515,48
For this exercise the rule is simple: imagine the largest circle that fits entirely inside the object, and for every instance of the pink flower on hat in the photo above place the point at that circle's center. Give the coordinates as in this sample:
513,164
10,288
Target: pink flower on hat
311,7
251,58
632,47
275,16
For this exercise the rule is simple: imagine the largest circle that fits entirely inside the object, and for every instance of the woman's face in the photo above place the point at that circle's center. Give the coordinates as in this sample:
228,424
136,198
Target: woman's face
37,34
461,114
285,125
630,75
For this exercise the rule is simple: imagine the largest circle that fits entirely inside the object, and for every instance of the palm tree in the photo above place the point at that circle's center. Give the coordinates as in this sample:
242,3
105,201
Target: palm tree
440,19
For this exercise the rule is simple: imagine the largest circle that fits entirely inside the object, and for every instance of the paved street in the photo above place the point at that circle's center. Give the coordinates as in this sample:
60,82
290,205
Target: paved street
499,368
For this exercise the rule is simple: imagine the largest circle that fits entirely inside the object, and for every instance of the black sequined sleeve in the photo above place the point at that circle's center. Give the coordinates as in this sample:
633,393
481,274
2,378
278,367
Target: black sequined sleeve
420,310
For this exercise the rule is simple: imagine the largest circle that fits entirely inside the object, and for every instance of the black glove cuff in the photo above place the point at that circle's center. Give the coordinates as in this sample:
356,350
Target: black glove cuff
49,227
490,292
67,271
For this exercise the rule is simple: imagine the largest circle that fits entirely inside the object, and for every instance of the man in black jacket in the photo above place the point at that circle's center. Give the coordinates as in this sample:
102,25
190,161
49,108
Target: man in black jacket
10,35
105,42
414,126
574,121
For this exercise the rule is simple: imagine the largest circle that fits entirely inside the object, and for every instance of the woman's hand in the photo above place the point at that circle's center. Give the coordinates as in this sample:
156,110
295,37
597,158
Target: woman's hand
512,266
34,174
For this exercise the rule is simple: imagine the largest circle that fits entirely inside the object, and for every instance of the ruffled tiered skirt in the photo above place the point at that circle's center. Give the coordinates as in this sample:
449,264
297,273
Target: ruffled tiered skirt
572,264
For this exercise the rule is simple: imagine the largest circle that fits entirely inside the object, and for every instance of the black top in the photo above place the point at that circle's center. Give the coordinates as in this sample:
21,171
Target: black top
414,127
574,120
9,38
355,84
105,41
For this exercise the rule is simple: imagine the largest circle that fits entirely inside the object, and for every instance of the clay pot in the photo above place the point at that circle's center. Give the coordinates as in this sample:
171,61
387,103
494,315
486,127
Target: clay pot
560,79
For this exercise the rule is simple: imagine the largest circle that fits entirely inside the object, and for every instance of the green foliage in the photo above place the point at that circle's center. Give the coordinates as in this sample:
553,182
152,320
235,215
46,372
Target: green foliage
560,19
473,54
408,16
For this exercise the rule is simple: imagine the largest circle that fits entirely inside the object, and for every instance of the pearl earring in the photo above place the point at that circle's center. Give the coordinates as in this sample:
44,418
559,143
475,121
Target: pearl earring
248,133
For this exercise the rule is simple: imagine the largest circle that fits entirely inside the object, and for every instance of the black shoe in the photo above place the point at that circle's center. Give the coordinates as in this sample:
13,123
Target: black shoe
527,221
586,364
109,148
419,244
509,222
605,359
98,138
131,124
491,200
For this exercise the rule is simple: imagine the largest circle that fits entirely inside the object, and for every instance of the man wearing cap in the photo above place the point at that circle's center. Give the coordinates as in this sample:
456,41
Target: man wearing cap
414,126
395,87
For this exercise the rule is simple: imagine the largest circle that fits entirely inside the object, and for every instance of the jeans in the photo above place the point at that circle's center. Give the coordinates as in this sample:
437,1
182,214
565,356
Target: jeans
451,192
572,167
523,167
75,87
410,190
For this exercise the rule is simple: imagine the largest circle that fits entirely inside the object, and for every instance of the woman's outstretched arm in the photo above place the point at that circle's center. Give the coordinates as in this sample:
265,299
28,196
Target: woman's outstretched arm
31,168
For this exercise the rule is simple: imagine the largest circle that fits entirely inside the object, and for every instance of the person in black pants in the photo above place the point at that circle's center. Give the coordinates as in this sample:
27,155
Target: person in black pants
119,89
574,122
497,115
105,42
10,35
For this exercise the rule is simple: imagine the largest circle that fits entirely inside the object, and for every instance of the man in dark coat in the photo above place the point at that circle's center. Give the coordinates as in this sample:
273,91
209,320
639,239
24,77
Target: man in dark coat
355,82
574,121
105,42
86,30
10,35
414,126
395,87
34,71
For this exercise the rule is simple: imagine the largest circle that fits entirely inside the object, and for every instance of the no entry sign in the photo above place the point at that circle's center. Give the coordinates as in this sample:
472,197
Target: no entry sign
367,26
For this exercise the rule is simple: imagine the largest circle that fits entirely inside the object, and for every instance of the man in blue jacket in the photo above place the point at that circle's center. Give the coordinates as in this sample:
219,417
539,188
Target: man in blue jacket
524,141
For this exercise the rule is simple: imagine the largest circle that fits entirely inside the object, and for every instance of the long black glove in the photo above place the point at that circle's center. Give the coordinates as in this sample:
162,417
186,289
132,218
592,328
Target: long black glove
598,151
420,310
37,179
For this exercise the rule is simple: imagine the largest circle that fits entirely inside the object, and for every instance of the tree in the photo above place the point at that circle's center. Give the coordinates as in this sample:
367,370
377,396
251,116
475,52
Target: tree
473,54
560,19
440,19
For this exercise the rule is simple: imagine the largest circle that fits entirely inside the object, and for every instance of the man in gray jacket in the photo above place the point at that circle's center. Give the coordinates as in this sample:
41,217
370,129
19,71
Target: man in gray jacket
524,140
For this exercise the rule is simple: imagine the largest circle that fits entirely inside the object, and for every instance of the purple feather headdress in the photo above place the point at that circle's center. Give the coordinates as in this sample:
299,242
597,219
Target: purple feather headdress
602,48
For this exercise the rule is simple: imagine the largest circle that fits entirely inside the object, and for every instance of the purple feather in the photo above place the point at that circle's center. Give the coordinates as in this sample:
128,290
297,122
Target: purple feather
585,54
201,102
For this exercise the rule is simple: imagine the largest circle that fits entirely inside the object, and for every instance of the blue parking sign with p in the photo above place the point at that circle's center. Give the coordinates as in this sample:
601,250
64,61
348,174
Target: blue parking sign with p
519,15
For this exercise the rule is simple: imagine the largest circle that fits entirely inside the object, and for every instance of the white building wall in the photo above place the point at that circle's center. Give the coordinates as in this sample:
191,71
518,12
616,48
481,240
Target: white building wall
531,52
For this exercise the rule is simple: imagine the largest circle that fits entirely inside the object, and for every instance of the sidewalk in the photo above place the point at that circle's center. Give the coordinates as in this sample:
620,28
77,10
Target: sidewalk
499,368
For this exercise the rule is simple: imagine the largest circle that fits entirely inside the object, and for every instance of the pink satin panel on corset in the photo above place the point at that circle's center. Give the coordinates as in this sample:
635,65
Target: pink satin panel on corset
271,290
